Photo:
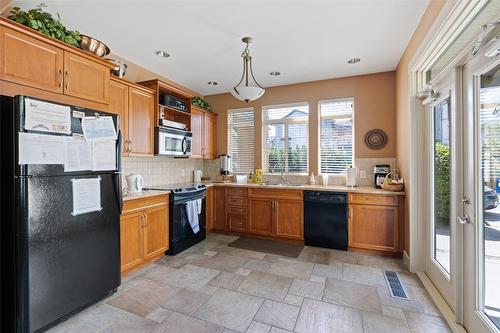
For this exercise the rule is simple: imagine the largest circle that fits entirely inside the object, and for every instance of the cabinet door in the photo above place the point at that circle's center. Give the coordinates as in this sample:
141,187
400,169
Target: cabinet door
220,209
131,240
84,78
261,217
118,104
141,122
209,211
209,142
28,61
197,118
290,219
373,227
156,231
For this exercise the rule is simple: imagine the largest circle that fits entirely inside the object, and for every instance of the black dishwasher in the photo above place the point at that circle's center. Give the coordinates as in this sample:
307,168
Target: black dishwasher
325,219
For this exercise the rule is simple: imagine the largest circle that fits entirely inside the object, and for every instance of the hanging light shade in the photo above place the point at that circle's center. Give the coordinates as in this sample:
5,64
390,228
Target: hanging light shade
247,89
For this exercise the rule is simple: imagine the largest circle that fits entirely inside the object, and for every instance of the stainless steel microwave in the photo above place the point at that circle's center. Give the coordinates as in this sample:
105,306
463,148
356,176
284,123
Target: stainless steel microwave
172,142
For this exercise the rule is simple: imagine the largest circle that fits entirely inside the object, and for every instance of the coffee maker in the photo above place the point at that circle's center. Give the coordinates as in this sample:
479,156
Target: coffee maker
225,165
379,173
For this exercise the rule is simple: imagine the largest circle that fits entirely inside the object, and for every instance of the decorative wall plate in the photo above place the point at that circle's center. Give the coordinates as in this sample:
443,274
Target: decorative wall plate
375,139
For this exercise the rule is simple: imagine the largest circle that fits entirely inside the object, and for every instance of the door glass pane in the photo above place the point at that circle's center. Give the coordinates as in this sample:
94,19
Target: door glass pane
490,162
442,177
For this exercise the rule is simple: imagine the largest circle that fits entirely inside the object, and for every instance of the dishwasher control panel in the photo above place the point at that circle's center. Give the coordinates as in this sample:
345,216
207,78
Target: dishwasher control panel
327,197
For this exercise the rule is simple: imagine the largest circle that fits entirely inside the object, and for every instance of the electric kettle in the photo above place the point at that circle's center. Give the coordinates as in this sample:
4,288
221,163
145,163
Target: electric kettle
135,183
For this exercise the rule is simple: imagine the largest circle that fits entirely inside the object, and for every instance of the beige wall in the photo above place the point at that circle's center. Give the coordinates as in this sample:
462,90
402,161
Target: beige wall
374,107
403,101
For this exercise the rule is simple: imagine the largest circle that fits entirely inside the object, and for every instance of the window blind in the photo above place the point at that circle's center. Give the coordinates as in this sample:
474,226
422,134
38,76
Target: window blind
286,130
241,139
336,136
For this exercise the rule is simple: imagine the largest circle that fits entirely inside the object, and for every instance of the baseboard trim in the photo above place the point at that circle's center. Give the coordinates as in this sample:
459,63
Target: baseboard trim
441,304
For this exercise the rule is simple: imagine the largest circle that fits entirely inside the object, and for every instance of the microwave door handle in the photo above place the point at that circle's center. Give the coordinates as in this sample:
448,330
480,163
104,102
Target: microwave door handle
184,149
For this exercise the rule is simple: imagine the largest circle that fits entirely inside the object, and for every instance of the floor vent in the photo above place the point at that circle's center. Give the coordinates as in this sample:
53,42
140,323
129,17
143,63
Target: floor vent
396,288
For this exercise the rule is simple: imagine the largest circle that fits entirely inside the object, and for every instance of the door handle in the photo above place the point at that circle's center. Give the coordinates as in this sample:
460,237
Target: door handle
60,78
463,219
182,146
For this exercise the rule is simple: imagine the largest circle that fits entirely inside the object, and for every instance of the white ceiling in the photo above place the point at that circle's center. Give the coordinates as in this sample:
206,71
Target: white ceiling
304,40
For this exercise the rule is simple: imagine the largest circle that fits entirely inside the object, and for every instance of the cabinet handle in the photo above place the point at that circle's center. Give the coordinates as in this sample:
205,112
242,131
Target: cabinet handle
129,146
60,78
145,220
66,80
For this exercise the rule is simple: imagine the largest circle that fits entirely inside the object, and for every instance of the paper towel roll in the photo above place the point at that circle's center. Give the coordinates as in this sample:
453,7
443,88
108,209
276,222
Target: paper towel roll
350,179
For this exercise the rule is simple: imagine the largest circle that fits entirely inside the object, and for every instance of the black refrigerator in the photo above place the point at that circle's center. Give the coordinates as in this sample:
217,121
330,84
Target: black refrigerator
53,262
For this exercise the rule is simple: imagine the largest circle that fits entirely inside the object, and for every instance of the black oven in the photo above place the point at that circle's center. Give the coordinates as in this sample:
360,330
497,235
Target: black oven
181,233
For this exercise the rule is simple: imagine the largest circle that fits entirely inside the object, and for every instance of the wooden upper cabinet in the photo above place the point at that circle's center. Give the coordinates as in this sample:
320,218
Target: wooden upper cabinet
118,104
131,240
261,220
156,231
373,227
210,133
30,62
84,78
290,219
197,120
141,121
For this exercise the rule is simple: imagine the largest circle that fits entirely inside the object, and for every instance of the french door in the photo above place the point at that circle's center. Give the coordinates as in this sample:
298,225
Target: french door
480,213
442,156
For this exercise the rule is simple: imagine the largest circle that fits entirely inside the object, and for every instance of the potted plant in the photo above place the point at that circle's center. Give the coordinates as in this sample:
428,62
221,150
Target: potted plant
201,103
42,21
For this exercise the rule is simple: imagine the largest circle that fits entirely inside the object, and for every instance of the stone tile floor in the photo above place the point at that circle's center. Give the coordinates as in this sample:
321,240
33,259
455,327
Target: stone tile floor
215,288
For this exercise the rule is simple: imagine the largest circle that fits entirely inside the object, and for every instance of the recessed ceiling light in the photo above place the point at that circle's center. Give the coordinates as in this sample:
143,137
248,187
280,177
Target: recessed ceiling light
163,54
353,61
212,83
275,73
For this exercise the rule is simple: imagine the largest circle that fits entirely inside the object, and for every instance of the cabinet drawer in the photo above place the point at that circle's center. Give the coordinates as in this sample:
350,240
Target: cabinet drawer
241,192
141,203
373,199
275,193
237,210
237,222
238,201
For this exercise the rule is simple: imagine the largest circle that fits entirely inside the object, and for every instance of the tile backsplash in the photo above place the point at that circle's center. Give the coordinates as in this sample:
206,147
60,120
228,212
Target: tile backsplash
161,170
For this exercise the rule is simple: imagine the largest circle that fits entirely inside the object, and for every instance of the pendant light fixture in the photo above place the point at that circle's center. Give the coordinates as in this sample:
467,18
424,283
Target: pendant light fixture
247,89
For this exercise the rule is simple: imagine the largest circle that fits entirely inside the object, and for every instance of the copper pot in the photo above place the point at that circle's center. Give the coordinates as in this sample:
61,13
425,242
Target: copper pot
94,46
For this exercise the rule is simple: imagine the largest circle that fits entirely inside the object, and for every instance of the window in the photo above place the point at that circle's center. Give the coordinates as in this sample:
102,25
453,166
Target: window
286,136
241,139
336,137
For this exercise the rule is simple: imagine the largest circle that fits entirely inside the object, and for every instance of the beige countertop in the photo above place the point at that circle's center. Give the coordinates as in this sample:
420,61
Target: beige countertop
143,194
329,188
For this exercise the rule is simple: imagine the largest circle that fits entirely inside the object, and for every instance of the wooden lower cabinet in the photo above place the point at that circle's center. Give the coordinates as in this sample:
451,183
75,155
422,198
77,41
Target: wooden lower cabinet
209,209
261,221
220,221
376,227
143,231
289,219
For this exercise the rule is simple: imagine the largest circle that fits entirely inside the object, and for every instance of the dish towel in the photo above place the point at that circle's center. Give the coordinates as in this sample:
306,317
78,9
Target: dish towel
192,215
198,204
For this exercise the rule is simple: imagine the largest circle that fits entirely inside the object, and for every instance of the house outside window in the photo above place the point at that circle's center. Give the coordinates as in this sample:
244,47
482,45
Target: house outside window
336,135
286,138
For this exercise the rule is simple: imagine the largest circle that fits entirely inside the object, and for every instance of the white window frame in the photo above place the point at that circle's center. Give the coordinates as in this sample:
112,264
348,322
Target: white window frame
229,111
285,123
350,99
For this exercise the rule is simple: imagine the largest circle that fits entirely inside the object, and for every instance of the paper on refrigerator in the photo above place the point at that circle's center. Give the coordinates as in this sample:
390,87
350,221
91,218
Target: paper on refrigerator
86,195
41,149
98,128
47,117
77,154
104,155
